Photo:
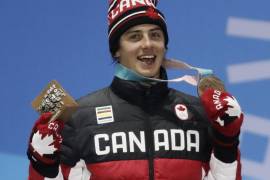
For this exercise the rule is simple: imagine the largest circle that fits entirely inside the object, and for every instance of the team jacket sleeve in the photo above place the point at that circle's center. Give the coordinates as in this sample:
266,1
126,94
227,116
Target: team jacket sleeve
79,171
223,171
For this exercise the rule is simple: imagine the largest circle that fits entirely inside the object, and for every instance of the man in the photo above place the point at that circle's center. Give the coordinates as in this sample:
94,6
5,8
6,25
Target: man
137,129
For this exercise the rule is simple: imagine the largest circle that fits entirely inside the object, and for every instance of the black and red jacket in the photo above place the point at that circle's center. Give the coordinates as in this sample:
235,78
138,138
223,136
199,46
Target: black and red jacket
139,131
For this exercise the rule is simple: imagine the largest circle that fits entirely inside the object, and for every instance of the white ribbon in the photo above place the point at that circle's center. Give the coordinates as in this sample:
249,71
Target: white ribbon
128,74
181,65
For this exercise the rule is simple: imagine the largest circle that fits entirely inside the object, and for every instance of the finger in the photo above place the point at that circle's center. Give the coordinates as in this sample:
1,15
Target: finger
210,82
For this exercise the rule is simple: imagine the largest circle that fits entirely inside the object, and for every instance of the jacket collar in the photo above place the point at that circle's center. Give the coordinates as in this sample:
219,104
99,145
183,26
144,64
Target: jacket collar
141,93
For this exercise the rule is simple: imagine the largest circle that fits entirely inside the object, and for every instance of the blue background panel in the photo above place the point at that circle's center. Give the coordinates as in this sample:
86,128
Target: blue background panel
251,141
67,40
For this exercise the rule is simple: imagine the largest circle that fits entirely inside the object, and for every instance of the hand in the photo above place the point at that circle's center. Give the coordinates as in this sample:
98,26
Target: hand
45,142
222,109
210,82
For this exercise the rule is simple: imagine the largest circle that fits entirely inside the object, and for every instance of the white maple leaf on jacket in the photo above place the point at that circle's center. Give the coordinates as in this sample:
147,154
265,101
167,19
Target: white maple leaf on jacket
43,145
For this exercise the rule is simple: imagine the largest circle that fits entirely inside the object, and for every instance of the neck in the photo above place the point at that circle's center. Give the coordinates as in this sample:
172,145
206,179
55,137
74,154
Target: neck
125,73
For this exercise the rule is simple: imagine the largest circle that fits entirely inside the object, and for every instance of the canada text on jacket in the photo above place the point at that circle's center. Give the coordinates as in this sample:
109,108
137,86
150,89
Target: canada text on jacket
168,140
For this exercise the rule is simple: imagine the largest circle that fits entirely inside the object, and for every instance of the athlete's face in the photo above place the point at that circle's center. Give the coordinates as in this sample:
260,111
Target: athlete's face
142,49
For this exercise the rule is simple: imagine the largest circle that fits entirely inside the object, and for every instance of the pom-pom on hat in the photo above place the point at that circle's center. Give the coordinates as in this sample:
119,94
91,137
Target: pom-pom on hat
124,14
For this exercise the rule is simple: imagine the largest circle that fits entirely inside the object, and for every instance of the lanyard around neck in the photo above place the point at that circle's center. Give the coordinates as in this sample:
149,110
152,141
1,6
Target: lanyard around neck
125,73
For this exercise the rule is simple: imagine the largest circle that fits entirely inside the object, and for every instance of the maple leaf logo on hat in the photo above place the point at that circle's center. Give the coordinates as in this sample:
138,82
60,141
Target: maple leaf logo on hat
152,13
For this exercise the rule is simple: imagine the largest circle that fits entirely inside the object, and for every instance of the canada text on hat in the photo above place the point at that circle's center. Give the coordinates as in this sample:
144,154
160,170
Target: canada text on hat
124,14
126,5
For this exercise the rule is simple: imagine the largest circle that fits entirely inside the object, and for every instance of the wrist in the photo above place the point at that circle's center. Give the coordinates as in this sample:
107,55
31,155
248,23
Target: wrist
226,154
225,147
48,170
223,140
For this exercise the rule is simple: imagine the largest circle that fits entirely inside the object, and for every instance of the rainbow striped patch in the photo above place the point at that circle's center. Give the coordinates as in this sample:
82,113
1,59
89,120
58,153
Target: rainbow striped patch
104,114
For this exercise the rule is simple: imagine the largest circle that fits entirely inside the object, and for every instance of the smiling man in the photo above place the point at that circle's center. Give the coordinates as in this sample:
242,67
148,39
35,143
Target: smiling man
137,129
142,49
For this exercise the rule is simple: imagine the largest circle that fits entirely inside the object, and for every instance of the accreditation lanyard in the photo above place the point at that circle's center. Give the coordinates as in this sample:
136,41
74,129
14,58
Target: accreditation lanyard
125,73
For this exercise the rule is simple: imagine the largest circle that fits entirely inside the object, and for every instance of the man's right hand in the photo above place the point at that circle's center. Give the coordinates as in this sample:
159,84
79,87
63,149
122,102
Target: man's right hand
44,144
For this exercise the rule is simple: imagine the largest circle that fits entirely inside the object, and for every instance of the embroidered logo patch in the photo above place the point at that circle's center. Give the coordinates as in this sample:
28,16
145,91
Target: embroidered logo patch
181,111
104,114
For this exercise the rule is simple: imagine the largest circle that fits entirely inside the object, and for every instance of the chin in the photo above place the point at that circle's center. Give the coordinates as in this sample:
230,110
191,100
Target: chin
148,74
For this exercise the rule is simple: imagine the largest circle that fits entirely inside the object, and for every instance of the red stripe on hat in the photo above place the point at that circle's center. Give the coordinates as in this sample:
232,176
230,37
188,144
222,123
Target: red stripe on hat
126,19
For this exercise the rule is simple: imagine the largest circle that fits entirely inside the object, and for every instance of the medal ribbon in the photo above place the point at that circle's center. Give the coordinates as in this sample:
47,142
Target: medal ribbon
125,73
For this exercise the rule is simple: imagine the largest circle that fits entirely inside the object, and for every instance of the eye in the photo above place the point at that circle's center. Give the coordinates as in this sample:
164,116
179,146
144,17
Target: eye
157,35
135,36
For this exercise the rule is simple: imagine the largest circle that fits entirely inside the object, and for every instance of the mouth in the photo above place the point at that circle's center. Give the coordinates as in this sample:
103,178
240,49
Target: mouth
147,59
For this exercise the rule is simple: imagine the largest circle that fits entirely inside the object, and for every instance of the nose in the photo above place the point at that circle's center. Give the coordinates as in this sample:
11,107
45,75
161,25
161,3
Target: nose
146,42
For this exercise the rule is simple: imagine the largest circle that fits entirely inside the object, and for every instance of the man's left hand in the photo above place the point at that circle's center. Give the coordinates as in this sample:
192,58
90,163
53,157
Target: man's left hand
223,111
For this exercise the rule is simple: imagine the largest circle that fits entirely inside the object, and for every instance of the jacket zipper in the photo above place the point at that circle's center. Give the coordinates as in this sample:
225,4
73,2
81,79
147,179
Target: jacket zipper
149,141
150,152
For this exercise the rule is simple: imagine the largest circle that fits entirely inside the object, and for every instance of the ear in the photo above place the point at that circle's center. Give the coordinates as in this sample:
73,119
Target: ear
117,54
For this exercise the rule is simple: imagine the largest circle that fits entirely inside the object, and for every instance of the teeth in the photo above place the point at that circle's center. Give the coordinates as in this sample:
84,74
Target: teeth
147,57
